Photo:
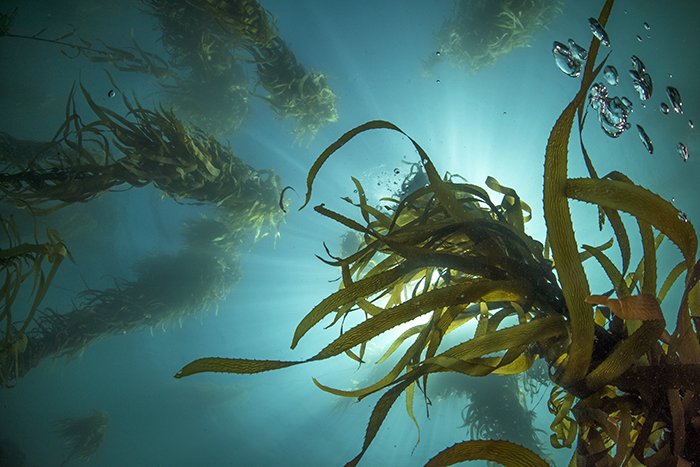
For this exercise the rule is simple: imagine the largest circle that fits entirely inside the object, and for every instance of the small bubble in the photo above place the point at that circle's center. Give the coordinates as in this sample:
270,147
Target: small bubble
437,81
670,75
396,171
691,124
437,53
111,93
639,38
646,26
682,216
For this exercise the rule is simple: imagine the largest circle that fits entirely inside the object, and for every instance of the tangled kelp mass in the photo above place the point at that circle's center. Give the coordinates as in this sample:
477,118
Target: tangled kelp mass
626,389
479,32
155,147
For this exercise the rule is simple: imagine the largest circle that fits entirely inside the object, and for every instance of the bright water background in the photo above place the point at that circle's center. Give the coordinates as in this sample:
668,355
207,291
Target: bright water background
495,123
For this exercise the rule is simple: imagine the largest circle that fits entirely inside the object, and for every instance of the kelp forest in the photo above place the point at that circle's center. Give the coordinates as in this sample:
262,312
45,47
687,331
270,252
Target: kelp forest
542,342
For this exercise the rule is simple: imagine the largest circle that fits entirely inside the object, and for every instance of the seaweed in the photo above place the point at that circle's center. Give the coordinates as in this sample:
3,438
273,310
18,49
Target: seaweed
480,32
21,262
626,390
83,436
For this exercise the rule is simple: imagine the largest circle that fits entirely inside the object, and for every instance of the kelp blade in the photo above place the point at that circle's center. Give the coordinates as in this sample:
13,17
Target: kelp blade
503,452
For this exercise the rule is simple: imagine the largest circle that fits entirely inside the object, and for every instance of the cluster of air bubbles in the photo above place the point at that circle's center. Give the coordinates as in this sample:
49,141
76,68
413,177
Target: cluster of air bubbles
613,112
566,60
599,32
611,76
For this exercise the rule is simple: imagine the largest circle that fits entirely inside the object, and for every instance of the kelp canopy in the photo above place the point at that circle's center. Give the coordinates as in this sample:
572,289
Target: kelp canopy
479,32
626,389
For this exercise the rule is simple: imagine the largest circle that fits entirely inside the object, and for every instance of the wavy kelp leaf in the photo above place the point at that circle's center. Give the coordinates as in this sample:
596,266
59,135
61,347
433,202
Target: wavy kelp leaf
232,365
522,334
500,451
424,303
614,274
339,143
379,413
411,353
368,285
512,204
641,203
446,198
643,307
671,279
559,226
649,247
564,427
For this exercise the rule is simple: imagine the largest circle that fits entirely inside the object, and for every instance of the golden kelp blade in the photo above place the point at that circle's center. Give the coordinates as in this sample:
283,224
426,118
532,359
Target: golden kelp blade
502,452
560,229
231,365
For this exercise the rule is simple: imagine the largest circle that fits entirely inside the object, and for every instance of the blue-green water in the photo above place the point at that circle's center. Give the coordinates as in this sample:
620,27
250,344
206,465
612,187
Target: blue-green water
494,122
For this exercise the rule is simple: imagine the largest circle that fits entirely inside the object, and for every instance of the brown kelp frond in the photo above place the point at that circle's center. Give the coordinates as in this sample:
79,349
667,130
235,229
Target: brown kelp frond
246,19
83,436
292,90
20,263
479,32
147,147
499,451
446,247
626,388
166,290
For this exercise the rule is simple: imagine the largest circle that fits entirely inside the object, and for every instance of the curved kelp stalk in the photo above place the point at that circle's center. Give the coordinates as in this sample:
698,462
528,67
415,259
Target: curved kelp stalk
20,262
626,390
83,436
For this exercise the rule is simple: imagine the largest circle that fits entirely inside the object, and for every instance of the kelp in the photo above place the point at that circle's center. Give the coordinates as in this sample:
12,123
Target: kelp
152,147
292,90
243,18
626,390
167,289
20,263
83,436
479,32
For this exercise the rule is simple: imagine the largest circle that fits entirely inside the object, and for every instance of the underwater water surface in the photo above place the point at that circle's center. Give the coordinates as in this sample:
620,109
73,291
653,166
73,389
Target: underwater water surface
382,60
